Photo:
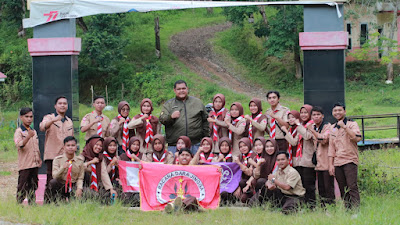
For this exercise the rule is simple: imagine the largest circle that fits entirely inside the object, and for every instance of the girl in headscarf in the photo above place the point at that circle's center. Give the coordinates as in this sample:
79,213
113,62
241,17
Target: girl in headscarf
291,135
118,127
216,119
204,154
225,150
96,177
302,161
266,165
159,153
182,142
110,147
146,125
246,191
236,124
133,154
257,122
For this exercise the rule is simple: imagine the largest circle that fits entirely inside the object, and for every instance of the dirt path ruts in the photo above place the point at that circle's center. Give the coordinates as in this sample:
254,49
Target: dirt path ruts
192,47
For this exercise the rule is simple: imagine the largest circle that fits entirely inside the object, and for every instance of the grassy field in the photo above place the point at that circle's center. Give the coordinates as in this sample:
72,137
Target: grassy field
374,210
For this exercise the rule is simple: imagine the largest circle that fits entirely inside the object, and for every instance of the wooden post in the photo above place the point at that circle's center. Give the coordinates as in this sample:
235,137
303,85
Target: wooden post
157,33
106,95
91,89
122,92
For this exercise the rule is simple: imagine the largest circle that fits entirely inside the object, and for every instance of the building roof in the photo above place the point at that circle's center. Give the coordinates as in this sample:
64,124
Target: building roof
2,76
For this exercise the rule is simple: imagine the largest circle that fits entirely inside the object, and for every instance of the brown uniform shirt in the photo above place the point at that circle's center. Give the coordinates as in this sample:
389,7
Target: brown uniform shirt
307,150
238,131
291,177
341,146
93,129
77,170
135,123
105,179
260,128
281,113
322,145
55,135
28,155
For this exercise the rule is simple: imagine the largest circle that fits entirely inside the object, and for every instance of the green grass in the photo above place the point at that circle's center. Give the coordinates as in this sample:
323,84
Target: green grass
374,210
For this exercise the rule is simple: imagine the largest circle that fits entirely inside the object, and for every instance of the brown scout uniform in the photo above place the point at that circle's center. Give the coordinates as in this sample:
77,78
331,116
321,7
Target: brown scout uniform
29,162
133,124
93,129
77,170
281,113
291,177
344,150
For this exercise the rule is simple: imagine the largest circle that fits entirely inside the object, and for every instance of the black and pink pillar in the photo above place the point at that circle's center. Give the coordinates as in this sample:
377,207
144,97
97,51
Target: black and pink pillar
54,50
324,42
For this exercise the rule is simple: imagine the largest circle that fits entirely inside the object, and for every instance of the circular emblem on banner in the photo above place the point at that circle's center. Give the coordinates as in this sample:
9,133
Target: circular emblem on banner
179,183
226,176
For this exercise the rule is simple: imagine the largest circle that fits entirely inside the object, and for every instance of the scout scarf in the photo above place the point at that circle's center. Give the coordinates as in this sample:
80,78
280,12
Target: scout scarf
258,157
209,158
69,178
215,128
293,132
149,131
273,126
105,153
155,159
251,127
128,153
234,123
93,184
226,157
299,149
125,132
246,157
99,127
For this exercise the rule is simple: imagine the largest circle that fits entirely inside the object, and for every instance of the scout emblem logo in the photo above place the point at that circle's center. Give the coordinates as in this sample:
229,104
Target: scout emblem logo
179,184
226,176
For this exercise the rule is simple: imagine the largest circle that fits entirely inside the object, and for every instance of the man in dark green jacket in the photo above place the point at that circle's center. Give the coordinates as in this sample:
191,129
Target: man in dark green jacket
184,116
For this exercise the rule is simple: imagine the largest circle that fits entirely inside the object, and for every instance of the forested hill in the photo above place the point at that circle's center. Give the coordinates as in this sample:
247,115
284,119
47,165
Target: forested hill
119,50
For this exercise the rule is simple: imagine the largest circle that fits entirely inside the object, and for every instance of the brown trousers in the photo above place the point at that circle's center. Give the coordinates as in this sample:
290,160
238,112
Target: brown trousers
346,176
245,196
326,187
282,144
289,203
57,191
308,177
49,173
27,185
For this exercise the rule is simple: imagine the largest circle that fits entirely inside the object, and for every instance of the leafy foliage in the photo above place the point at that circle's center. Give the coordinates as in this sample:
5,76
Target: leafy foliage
283,31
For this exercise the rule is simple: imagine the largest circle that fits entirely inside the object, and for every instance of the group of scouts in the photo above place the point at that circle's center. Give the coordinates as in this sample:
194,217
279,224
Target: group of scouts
282,169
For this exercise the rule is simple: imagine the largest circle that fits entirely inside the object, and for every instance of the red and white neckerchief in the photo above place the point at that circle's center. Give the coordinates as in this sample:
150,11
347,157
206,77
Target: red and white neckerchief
215,128
93,184
234,123
125,132
258,157
209,158
299,150
273,126
130,155
275,169
293,132
229,156
69,178
99,127
246,157
105,153
149,131
251,127
155,159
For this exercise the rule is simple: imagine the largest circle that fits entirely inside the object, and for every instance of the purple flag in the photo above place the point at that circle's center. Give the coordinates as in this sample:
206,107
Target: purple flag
231,175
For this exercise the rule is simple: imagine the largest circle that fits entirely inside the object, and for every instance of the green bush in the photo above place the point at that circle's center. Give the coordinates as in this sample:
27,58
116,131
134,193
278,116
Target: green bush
371,180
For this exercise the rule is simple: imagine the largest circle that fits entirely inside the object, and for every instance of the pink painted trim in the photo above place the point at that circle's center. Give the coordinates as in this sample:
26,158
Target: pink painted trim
398,31
54,46
323,40
2,76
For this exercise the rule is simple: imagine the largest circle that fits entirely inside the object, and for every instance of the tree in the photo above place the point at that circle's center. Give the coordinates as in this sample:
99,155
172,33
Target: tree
283,34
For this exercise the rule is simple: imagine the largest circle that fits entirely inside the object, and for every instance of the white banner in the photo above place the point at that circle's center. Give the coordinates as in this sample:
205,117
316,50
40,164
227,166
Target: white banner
48,11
